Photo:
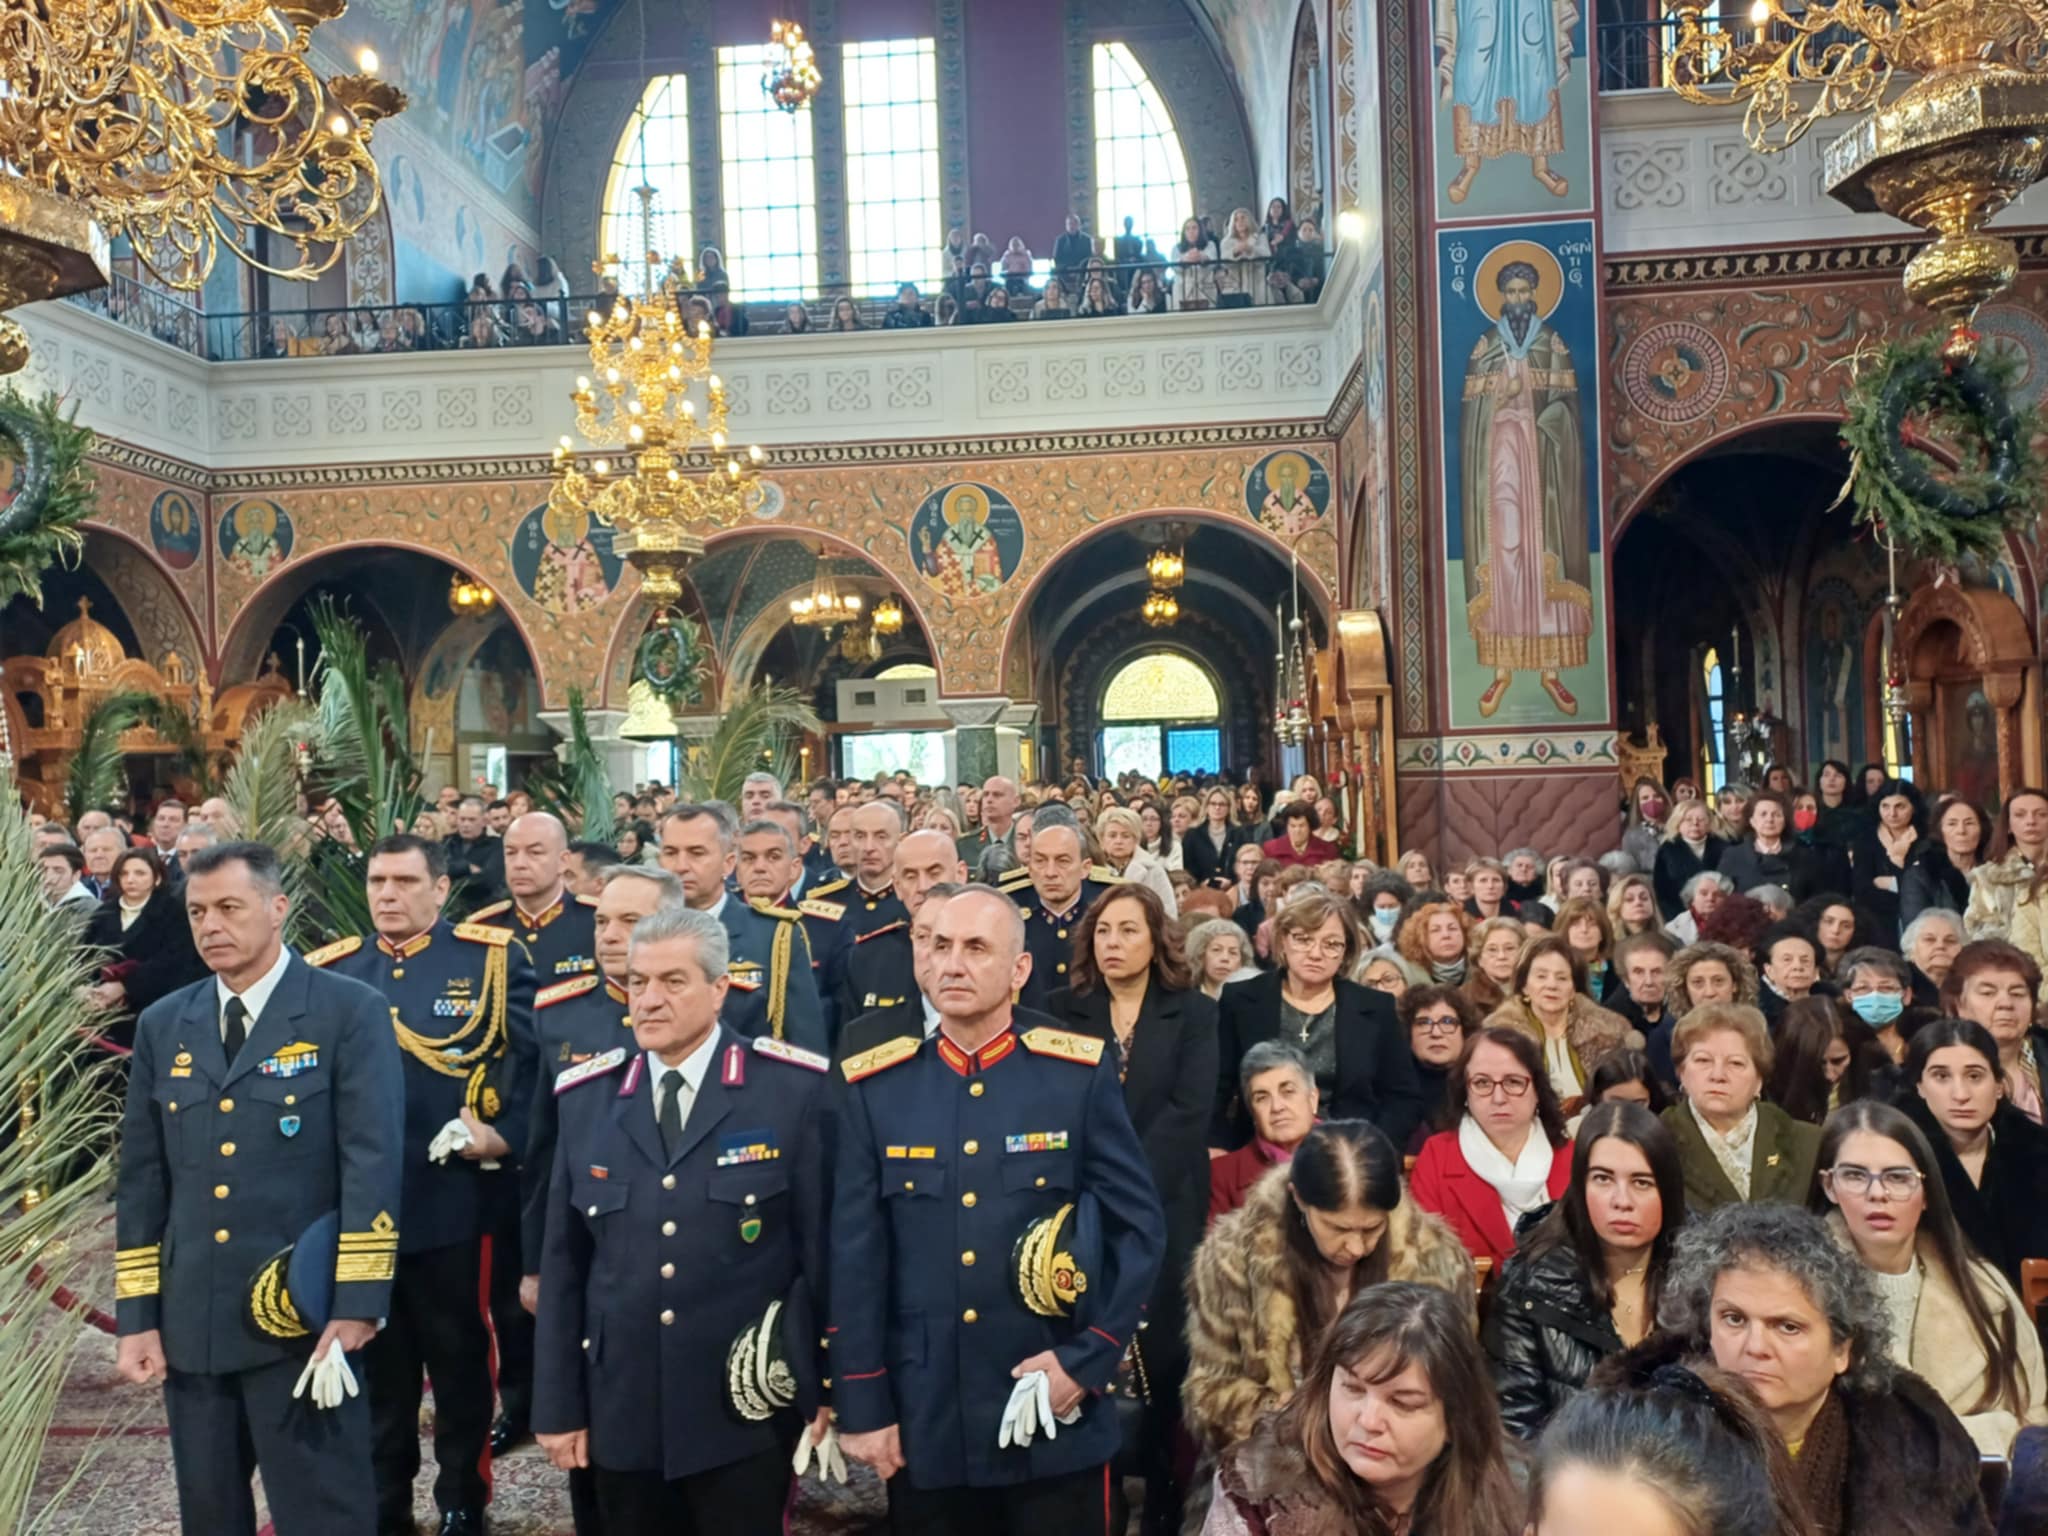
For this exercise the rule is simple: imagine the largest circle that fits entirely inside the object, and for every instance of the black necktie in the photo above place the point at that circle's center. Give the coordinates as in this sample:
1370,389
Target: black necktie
234,1028
671,1116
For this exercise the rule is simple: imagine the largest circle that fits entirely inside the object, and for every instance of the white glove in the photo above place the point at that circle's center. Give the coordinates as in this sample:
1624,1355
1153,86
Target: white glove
329,1377
451,1138
831,1463
1020,1417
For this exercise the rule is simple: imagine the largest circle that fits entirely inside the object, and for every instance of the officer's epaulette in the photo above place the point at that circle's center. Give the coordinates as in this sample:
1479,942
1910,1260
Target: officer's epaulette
1086,1049
584,1071
483,933
874,933
575,986
495,909
587,901
1102,874
831,911
832,885
768,908
795,1055
1012,879
327,954
887,1054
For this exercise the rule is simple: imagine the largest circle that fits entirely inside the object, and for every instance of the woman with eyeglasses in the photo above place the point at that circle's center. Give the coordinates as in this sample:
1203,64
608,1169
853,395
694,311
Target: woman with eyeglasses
1508,1157
1549,1004
1955,1322
1439,1020
1206,852
1732,1145
1348,1032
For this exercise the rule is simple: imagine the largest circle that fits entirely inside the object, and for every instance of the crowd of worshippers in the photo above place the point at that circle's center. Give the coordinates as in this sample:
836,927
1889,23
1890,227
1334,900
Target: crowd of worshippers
1693,1187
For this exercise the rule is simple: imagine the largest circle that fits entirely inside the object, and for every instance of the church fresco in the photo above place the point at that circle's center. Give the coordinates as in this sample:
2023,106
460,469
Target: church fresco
255,537
176,530
965,541
564,560
1287,493
1512,119
1524,587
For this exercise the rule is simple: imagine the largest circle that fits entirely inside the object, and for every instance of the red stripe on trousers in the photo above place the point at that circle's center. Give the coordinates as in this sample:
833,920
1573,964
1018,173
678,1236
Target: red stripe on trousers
483,1302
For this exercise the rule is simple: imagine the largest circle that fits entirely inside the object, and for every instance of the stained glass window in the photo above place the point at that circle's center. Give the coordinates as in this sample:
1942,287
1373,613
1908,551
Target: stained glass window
771,198
892,163
1161,685
1140,171
647,195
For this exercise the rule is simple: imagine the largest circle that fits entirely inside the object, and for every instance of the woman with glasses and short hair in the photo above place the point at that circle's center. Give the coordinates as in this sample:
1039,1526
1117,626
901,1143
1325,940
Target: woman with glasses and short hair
1439,1020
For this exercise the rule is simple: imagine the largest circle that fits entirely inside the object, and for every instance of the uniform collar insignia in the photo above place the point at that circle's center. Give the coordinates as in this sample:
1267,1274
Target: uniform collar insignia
615,992
406,949
541,918
979,1061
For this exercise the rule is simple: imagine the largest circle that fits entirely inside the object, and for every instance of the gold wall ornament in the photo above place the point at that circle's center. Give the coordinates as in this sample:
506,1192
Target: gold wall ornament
1946,154
185,126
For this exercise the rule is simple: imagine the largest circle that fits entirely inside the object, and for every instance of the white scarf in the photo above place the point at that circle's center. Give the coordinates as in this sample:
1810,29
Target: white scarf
130,914
1736,1151
1523,1184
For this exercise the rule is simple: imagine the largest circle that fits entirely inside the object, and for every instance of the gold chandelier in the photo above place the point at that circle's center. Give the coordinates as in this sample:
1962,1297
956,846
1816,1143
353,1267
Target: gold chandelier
1166,568
1160,609
795,79
469,599
1946,154
824,606
183,126
1293,664
661,472
887,617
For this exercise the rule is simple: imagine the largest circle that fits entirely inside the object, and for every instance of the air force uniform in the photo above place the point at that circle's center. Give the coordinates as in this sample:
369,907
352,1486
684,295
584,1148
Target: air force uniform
459,998
223,1164
945,1159
660,1255
772,992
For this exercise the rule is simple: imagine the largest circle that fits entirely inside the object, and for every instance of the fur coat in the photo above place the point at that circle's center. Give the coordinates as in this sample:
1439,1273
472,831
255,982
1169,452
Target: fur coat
1245,1355
1591,1033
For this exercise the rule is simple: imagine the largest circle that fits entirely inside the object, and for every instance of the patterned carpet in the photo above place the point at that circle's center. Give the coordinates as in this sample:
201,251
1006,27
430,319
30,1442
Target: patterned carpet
106,1467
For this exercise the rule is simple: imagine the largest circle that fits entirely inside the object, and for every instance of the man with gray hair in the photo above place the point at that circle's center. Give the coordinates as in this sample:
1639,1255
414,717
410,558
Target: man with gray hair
1701,894
1279,1093
757,791
688,1193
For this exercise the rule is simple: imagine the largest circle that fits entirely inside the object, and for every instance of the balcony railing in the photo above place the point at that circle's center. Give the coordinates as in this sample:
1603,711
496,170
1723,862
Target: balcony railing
1636,54
1102,290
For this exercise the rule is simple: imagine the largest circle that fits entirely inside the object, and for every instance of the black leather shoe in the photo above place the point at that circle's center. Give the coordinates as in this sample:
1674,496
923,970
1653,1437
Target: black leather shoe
505,1434
462,1522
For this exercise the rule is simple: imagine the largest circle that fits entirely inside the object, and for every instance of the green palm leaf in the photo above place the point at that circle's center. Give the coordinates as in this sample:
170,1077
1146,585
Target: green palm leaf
262,788
98,773
757,732
588,778
57,491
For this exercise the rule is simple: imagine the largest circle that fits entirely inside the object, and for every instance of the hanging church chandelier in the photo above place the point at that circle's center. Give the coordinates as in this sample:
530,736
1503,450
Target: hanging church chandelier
794,79
1293,664
887,618
181,126
1963,139
1166,568
824,606
660,473
1160,609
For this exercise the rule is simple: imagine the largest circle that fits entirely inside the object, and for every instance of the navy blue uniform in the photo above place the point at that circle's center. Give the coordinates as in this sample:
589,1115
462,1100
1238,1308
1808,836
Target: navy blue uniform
656,1262
459,998
1049,935
944,1160
573,1021
772,992
880,970
560,940
222,1165
853,913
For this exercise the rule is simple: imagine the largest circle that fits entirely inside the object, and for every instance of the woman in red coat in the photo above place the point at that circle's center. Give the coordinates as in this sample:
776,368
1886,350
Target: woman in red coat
1509,1155
1296,842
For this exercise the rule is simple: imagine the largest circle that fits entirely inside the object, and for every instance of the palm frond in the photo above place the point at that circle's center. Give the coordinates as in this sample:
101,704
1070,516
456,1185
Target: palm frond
588,779
758,731
39,522
365,758
262,787
98,773
61,1152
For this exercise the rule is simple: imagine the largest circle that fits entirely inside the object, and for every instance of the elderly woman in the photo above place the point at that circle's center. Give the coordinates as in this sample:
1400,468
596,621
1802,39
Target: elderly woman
1272,1276
1549,1004
1940,878
1218,953
1994,984
1955,1322
1279,1093
1121,835
1703,895
1733,1146
1392,1429
1930,943
1495,946
1387,970
1349,1033
1766,1294
1788,964
2008,874
1689,848
1877,987
1436,936
1294,839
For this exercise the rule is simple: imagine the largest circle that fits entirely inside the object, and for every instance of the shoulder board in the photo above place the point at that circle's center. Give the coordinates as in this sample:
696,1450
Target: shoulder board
768,909
887,1054
575,986
327,954
1086,1049
483,933
587,901
1102,874
873,933
796,1056
832,885
831,911
1021,875
495,909
584,1071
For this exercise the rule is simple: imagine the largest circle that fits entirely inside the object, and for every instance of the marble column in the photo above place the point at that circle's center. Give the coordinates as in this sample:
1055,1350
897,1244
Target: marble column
979,739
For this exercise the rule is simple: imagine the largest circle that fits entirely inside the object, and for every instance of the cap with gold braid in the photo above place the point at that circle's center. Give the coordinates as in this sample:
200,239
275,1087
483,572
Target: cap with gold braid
1049,1279
758,1380
292,1292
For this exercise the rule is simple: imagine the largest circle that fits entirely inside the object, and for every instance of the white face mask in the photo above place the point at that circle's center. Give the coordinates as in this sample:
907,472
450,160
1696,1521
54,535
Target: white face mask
1383,920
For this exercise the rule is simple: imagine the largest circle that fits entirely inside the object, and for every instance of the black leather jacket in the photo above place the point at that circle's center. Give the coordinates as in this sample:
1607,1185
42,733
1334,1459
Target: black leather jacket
1544,1334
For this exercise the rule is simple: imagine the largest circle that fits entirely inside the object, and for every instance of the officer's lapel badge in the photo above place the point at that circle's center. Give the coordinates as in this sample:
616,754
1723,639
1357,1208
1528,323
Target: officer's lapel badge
288,1125
299,1056
181,1064
1036,1141
599,1171
747,1147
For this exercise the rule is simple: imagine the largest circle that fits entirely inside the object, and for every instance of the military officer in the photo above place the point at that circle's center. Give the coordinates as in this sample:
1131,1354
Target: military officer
879,972
865,903
1055,889
769,974
914,1017
259,1101
558,930
768,869
687,1204
949,1150
460,1002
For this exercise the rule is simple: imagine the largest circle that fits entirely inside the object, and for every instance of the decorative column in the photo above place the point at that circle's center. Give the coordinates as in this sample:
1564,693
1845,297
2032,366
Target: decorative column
977,749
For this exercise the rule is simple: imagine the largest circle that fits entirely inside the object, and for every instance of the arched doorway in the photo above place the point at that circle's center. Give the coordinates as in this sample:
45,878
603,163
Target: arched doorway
1161,713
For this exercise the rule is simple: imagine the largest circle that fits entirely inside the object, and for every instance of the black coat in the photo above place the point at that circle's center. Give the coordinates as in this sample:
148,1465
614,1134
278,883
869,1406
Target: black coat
1872,864
152,959
1677,864
1803,869
2004,1215
1375,1070
1544,1333
1932,881
1198,856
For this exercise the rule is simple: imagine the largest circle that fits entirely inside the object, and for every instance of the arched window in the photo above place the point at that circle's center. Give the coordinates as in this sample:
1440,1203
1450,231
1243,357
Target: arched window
1140,171
1159,715
647,196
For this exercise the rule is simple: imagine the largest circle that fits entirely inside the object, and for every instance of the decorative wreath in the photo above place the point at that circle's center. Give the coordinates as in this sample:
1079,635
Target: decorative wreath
46,490
671,658
1920,393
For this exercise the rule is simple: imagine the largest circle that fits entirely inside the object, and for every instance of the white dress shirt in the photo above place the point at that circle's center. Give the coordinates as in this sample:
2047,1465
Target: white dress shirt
693,1067
255,998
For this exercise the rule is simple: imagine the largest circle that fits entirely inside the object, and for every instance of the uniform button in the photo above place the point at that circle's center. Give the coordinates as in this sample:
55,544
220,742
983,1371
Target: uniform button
227,1149
667,1318
220,1191
1061,967
971,1148
173,1106
668,1181
590,1210
970,1316
397,972
586,1343
750,1200
227,1106
967,1258
1061,934
910,1183
221,1236
1039,1182
973,1088
531,937
668,1271
668,1229
968,1199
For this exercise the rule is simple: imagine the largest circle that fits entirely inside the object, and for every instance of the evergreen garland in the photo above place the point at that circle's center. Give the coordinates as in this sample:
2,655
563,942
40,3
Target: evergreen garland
50,494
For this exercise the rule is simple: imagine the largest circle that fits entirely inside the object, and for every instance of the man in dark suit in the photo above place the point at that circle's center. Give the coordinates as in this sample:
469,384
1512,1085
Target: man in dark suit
476,859
1070,252
688,1193
259,1101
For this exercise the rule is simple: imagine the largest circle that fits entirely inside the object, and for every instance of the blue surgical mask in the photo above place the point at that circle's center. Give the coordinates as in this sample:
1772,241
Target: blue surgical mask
1383,920
1878,1009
